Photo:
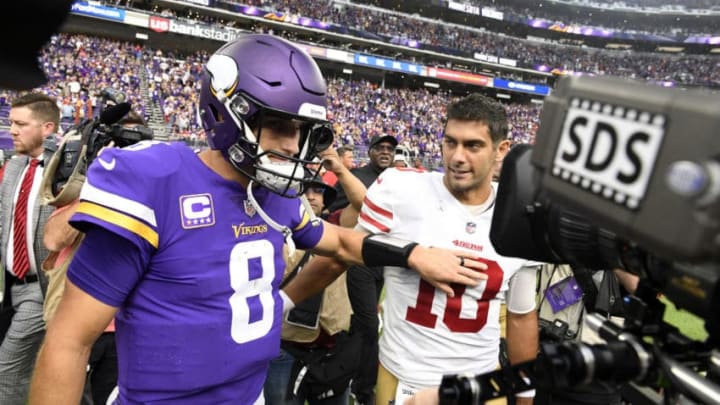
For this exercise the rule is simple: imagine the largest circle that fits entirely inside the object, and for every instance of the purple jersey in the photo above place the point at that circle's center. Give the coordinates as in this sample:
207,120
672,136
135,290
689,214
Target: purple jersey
200,316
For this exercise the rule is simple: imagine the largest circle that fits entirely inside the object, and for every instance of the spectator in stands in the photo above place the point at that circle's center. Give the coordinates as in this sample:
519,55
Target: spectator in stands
34,117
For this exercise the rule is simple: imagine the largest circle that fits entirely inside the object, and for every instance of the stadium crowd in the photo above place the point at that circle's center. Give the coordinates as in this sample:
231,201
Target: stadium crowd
687,4
695,70
360,109
685,27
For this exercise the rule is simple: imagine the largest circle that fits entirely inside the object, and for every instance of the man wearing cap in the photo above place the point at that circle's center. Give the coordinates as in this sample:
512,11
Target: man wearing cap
364,283
381,153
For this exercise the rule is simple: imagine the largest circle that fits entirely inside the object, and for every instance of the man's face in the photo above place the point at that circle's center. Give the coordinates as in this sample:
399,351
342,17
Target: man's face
347,159
314,195
469,156
280,135
382,154
28,131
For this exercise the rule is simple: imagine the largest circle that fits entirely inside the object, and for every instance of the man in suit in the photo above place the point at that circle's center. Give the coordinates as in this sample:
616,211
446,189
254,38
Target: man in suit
33,118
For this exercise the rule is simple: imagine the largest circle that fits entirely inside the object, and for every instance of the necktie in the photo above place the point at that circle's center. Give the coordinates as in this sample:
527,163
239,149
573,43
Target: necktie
21,261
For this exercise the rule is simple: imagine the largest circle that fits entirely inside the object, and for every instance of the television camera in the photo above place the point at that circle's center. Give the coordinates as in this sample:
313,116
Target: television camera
622,175
82,143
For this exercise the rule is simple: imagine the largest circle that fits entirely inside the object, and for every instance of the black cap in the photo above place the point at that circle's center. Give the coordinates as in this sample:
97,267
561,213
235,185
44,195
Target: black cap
329,193
386,138
20,48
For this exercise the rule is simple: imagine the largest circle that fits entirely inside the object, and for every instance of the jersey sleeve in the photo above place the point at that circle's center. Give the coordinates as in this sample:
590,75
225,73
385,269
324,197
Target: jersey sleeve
522,289
377,214
107,266
306,233
119,195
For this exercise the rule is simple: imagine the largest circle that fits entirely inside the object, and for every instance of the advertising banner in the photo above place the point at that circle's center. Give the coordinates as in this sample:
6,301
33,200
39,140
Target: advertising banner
505,84
92,10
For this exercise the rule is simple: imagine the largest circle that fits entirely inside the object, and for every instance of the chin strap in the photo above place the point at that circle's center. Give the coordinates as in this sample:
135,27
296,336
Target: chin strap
284,230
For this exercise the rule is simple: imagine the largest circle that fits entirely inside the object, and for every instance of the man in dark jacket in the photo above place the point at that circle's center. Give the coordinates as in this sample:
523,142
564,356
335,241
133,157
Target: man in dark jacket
381,154
365,283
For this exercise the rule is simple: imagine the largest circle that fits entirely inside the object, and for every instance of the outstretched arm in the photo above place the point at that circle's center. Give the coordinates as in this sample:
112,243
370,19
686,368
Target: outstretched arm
60,370
316,274
440,267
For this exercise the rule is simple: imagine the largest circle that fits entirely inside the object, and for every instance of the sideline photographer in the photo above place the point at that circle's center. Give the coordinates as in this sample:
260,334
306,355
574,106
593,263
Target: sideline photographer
61,188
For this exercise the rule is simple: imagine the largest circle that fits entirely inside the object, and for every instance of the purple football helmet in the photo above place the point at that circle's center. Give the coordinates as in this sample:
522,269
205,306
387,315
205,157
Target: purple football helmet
255,77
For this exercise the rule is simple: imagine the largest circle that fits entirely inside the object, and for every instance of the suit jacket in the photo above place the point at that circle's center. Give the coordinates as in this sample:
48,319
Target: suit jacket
12,176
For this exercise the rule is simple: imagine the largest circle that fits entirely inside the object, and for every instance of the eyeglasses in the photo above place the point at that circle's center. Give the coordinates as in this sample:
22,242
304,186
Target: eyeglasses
384,148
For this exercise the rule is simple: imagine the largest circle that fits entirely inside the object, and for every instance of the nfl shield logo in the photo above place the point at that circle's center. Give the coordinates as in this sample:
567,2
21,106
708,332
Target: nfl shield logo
470,227
249,209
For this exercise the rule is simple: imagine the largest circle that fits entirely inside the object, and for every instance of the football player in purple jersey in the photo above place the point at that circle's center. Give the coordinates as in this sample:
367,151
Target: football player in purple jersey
185,250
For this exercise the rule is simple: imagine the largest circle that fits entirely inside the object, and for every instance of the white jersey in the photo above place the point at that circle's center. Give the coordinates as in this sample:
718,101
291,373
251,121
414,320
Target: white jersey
426,334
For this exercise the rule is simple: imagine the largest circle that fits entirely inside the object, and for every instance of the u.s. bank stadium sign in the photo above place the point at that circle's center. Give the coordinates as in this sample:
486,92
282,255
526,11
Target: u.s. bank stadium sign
223,34
203,31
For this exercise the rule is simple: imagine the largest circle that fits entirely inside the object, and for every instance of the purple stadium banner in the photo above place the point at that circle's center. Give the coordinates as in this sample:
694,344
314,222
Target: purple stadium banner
703,40
570,29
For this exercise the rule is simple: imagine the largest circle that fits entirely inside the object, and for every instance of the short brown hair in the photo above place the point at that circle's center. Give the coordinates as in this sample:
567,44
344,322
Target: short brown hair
344,149
43,107
477,107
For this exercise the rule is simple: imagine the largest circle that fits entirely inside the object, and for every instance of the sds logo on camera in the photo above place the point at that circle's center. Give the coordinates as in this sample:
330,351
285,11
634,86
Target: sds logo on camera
609,150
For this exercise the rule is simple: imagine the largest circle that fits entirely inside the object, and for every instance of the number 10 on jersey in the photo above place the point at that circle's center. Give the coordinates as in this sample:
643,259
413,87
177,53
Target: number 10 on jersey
421,313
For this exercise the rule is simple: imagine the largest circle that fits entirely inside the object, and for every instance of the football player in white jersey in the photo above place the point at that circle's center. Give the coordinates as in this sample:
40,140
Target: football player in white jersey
428,333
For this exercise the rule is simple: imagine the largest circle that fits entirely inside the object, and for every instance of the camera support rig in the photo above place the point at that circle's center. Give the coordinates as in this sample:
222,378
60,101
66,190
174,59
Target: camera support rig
647,354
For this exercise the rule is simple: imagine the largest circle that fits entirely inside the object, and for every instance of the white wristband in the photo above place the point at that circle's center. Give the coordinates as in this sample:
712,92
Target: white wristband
288,303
